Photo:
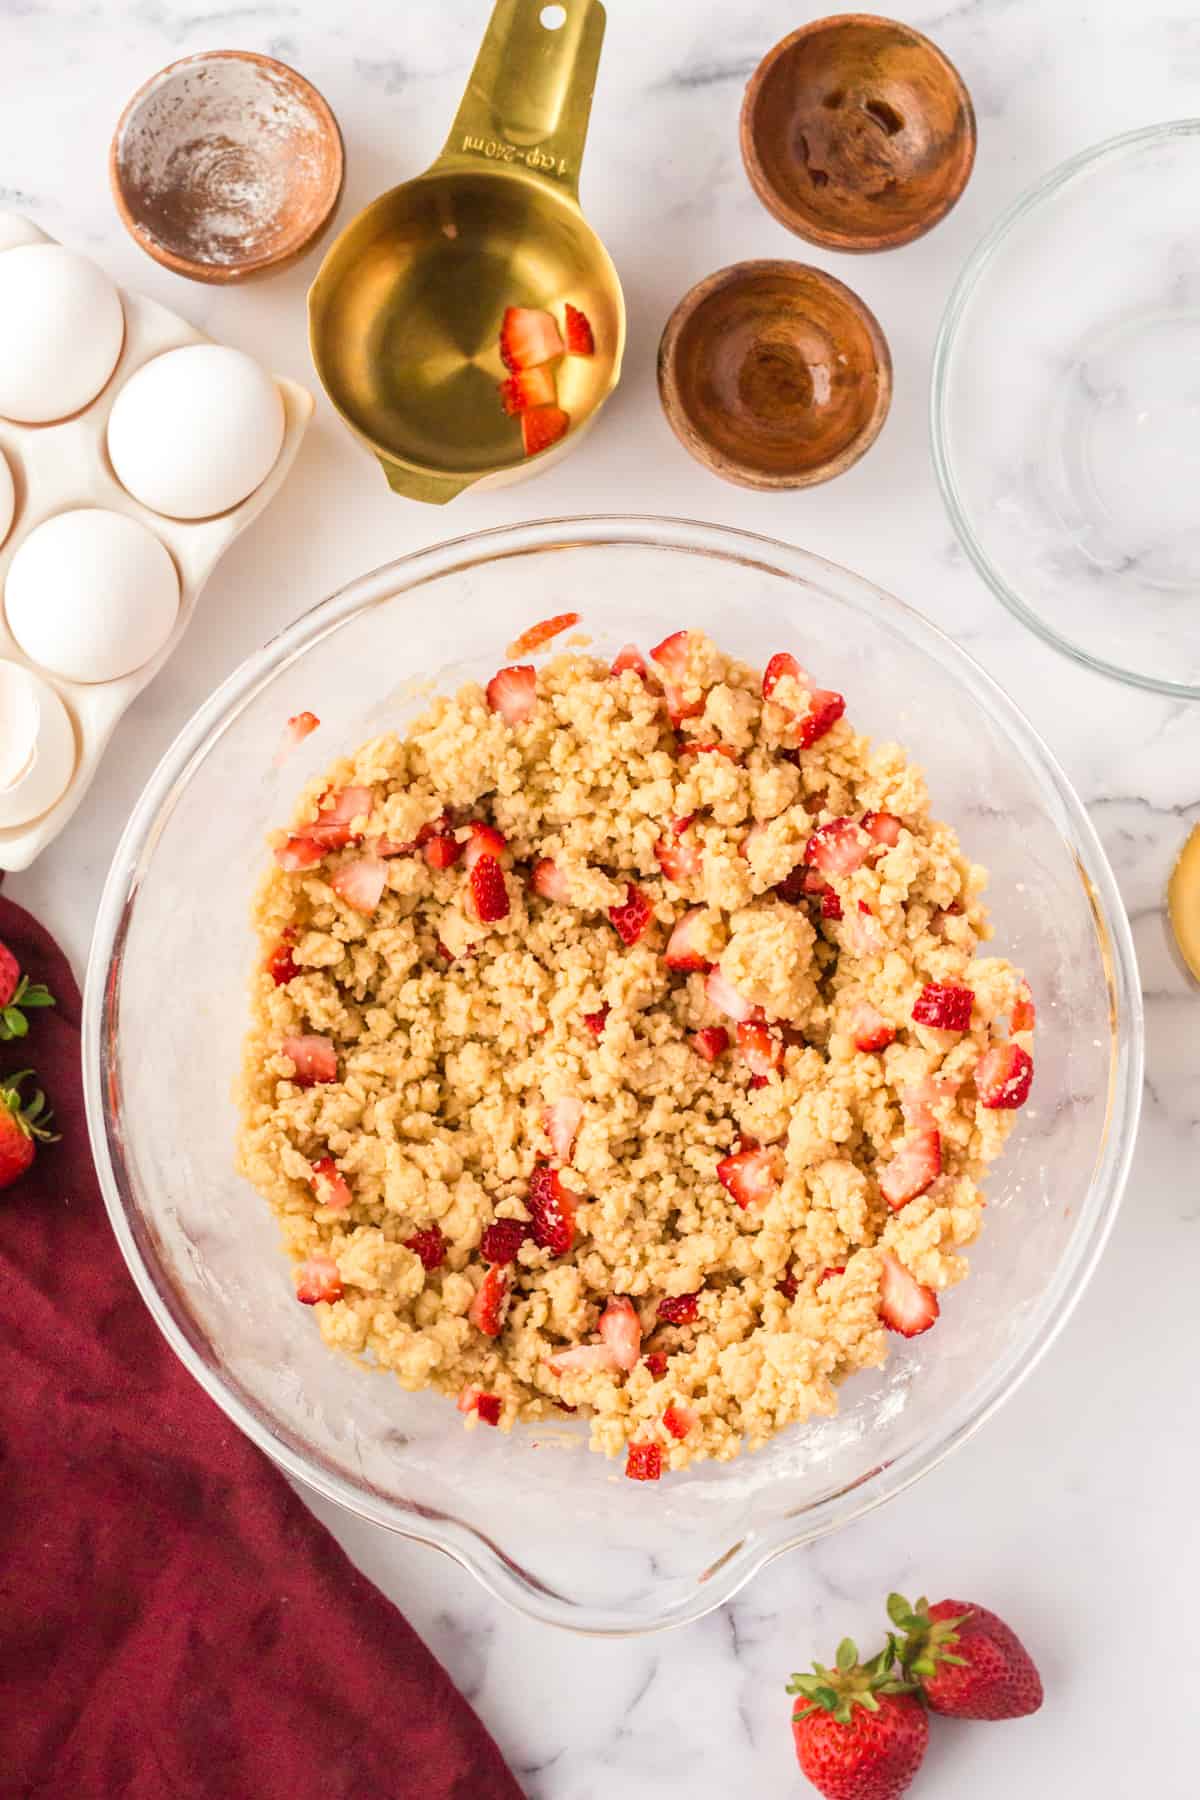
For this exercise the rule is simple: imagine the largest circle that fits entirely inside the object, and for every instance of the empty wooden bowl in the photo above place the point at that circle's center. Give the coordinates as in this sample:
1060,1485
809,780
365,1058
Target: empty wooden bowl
774,375
226,165
857,133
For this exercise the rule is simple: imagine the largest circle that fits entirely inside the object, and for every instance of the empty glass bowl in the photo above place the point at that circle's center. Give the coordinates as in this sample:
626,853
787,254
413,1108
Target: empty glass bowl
1066,407
552,1528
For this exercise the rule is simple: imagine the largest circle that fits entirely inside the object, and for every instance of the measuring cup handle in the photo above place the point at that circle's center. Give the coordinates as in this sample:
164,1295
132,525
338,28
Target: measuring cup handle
529,98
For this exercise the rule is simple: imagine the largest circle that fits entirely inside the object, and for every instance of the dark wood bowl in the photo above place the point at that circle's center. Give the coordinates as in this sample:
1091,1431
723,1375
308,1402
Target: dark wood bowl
857,133
774,375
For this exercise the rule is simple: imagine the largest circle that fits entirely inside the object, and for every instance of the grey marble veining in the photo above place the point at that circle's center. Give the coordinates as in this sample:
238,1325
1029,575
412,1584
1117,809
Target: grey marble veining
1082,1488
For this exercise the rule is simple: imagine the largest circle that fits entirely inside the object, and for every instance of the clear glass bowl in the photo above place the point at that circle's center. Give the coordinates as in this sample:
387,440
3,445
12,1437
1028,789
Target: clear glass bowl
553,1529
1066,408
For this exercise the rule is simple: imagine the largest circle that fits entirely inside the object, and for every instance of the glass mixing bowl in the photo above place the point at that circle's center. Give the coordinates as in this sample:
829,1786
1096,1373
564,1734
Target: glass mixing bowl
555,1530
1065,403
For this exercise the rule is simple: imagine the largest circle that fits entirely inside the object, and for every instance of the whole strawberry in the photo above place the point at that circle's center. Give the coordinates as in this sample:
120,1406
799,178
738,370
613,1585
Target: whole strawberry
860,1732
968,1662
17,995
23,1125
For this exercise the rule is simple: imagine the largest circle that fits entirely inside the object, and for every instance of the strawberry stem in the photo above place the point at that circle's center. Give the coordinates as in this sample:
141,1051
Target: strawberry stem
925,1644
32,1115
851,1683
13,1023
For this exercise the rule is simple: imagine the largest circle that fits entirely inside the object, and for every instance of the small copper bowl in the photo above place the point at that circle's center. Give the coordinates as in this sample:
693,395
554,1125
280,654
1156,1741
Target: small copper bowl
774,375
857,133
226,165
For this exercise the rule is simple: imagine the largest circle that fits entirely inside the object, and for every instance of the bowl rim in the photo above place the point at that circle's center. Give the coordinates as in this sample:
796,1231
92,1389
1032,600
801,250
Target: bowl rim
973,272
499,1572
271,262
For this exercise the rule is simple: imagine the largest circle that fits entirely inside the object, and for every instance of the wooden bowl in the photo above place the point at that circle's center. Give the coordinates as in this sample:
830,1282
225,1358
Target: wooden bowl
774,375
226,166
857,133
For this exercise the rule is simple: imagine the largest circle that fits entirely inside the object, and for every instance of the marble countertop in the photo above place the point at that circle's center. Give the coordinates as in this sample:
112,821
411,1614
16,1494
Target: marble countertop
1072,1512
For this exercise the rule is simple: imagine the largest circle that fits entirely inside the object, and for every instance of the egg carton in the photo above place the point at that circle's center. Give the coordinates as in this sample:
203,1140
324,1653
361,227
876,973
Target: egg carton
62,466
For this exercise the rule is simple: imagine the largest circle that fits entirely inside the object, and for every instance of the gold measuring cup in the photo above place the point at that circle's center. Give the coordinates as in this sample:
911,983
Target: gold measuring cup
405,312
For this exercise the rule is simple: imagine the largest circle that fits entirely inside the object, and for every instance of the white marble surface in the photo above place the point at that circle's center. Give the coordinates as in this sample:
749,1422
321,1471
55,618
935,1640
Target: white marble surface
1073,1512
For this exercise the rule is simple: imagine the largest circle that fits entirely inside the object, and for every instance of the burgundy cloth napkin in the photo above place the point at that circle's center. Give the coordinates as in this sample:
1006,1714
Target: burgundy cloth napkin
173,1620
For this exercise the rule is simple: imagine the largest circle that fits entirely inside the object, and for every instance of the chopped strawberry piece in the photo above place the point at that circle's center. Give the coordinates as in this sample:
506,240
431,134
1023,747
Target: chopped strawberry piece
782,665
914,1168
281,965
691,748
298,727
581,1357
644,1462
488,1407
825,708
724,996
552,1210
528,387
680,1419
580,341
679,1309
560,1121
299,853
760,1047
759,1081
442,852
467,1399
831,906
488,891
656,1362
502,1239
528,336
596,1021
710,1042
870,1030
490,1305
540,634
631,918
318,1279
388,847
484,840
679,862
828,1274
332,825
621,1331
542,426
904,1305
360,882
749,1175
1003,1077
794,887
684,946
330,1186
837,848
943,1007
549,881
861,934
512,692
629,657
672,657
315,1059
1024,1012
430,1246
884,827
788,1286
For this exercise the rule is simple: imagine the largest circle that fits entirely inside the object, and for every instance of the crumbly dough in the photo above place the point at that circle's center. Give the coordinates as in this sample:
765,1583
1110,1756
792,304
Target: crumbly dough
453,1036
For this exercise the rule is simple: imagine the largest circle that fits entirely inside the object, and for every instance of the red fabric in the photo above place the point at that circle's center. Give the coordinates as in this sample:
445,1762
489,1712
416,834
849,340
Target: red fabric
173,1621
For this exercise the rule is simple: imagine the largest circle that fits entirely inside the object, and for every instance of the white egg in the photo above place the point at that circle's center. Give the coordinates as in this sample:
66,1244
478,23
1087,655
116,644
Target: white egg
194,432
15,229
37,746
8,499
91,595
61,331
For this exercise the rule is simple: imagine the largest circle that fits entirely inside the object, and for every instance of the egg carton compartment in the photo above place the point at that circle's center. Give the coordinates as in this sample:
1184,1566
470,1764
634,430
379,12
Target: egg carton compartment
63,467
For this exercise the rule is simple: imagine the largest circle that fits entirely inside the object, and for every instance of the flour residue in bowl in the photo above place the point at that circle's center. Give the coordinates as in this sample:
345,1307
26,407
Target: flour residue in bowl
227,162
